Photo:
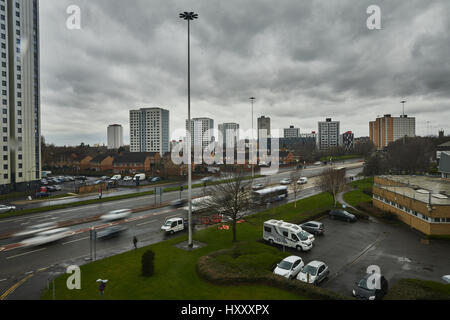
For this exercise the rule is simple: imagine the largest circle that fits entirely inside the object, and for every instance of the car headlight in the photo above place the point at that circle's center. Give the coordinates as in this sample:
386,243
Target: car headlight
372,298
354,293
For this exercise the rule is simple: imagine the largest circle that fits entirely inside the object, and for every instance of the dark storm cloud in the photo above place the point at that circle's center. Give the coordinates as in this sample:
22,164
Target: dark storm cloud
303,60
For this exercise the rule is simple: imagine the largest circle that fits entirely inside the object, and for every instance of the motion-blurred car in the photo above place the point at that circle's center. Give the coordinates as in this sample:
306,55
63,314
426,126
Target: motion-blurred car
289,267
127,178
302,180
315,272
286,181
206,179
313,227
178,203
6,208
155,179
116,215
343,215
47,237
257,187
110,232
371,287
318,163
32,230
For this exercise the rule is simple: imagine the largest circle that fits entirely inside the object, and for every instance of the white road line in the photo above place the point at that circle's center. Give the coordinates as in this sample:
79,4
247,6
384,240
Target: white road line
3,280
29,272
75,240
22,254
144,223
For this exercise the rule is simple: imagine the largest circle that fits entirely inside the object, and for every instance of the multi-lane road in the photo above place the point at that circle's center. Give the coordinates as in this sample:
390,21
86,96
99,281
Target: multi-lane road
18,262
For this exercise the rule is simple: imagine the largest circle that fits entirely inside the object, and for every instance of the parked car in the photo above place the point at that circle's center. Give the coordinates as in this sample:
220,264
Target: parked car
47,237
6,208
306,234
104,178
156,179
116,215
57,187
51,189
289,267
302,180
206,179
117,177
286,181
99,182
364,289
44,182
314,227
110,232
127,178
82,178
42,195
343,215
257,187
316,271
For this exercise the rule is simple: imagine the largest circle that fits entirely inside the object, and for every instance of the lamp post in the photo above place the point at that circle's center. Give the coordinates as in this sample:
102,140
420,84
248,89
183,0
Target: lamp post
189,16
252,99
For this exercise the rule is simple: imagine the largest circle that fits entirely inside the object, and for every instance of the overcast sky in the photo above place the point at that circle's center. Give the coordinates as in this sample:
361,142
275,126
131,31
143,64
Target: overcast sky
303,61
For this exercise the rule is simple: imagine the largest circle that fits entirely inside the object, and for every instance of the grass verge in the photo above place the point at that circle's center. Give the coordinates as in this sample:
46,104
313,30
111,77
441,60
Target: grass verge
414,289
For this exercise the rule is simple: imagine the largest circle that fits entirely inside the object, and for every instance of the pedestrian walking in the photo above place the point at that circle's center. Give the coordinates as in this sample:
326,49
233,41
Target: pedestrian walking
102,286
135,241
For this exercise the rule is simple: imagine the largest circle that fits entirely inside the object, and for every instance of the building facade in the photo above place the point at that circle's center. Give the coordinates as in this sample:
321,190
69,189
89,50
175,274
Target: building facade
149,130
230,134
20,94
421,202
292,132
328,135
347,140
201,131
115,136
388,129
263,124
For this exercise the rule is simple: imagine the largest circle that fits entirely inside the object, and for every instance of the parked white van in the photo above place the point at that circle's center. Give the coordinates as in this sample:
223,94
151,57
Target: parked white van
141,177
286,234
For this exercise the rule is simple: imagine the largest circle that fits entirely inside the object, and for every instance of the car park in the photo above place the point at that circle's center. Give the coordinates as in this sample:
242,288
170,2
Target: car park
110,232
116,215
4,208
372,287
314,272
302,180
286,181
48,236
339,214
314,227
289,267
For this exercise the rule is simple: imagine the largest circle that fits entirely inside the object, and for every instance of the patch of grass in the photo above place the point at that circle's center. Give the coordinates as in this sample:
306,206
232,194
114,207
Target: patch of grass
361,194
176,275
341,158
414,289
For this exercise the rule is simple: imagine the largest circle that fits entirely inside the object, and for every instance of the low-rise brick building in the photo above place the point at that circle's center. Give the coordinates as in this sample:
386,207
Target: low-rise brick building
419,201
136,162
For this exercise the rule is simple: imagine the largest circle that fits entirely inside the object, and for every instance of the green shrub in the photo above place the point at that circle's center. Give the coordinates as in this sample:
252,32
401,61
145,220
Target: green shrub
377,213
148,259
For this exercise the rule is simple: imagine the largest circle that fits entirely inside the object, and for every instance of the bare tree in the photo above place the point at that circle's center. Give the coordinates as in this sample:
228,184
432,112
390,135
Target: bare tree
333,181
296,188
232,199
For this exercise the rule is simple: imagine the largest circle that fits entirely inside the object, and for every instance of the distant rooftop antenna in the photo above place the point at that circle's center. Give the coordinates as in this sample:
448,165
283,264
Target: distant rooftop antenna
403,103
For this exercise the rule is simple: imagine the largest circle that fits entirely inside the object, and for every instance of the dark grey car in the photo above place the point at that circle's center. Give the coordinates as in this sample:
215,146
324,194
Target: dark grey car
366,290
313,227
343,215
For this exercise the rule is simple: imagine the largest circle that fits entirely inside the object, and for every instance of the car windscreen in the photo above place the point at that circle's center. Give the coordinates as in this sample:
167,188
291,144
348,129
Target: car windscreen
285,265
310,269
363,284
303,235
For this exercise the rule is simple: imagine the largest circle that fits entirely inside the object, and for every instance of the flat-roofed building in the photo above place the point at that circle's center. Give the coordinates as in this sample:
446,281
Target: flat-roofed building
419,201
388,129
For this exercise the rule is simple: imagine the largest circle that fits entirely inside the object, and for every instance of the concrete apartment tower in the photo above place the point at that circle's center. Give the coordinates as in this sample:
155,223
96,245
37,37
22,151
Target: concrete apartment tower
199,131
388,129
230,133
115,136
149,130
328,136
20,95
292,132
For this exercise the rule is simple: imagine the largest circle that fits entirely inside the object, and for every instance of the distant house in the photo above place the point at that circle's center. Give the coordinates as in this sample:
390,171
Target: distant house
136,162
444,166
102,163
85,163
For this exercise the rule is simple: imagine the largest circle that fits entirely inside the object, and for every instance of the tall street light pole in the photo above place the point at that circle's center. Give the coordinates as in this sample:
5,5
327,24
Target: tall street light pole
189,16
253,137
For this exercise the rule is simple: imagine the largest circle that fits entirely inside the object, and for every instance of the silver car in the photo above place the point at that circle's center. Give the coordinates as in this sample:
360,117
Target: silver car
6,208
314,272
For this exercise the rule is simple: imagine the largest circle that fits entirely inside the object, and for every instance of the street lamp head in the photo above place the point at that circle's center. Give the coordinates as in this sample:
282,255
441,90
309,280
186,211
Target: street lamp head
188,16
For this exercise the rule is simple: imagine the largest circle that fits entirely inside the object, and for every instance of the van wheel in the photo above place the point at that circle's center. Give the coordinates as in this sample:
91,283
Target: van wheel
299,248
171,232
271,242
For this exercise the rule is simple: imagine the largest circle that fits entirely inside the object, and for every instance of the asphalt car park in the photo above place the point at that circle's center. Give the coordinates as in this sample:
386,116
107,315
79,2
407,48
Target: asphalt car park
348,249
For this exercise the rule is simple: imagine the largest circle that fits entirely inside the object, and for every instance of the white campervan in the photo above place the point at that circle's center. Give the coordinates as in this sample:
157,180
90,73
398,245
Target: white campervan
286,234
141,177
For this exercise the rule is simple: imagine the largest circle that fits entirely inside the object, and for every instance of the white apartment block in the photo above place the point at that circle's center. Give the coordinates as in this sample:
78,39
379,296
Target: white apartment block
328,136
230,133
404,127
20,94
292,132
149,130
201,131
115,136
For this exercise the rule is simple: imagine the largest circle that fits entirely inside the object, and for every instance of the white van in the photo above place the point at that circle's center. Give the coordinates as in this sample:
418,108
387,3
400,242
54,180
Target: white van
141,177
174,225
286,234
117,177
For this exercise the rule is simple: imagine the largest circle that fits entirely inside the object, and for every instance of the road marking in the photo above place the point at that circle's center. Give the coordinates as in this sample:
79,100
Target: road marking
14,287
29,272
3,280
22,254
148,222
75,240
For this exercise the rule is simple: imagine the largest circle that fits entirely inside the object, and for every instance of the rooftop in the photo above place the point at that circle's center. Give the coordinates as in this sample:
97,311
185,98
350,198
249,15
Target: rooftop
419,188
